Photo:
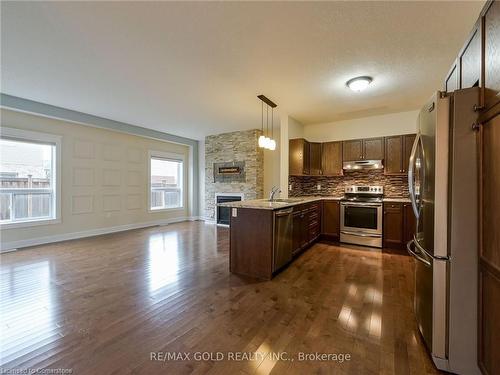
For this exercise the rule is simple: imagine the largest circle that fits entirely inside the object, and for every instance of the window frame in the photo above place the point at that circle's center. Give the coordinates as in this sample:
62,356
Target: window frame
170,156
21,135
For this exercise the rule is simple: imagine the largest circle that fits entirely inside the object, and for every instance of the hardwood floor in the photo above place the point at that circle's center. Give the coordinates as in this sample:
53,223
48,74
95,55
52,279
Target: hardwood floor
102,305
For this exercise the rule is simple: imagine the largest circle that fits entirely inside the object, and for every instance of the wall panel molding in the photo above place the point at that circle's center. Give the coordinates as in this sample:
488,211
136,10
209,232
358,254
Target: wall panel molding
82,204
46,110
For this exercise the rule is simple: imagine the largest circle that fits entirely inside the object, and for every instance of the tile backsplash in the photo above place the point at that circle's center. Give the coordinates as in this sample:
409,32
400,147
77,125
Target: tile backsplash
394,186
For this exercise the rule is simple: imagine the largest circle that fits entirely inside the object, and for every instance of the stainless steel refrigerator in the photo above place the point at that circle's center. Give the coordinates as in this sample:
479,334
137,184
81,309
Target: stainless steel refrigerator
443,182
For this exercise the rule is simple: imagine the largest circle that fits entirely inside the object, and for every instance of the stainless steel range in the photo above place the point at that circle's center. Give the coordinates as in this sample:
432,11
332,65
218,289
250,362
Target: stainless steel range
361,215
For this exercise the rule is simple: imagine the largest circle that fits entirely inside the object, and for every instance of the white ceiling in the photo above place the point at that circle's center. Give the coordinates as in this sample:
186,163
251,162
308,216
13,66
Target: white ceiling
193,69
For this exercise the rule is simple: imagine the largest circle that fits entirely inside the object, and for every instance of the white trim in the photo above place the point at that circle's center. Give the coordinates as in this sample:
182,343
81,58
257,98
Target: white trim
56,140
173,157
14,245
29,223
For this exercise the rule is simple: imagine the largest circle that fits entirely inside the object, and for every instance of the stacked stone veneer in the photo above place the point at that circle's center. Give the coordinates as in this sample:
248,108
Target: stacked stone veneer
394,186
229,147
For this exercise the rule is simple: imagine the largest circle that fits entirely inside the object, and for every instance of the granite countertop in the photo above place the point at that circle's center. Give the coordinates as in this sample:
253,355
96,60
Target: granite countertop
396,199
264,204
277,204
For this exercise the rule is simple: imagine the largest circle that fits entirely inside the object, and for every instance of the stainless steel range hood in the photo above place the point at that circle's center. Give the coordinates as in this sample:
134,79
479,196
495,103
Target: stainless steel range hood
362,164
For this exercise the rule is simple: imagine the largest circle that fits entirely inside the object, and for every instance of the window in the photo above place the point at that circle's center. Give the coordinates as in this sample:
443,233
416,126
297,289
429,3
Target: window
166,183
28,178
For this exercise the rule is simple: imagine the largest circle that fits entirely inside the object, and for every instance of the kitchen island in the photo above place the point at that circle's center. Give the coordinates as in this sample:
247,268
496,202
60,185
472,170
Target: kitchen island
266,236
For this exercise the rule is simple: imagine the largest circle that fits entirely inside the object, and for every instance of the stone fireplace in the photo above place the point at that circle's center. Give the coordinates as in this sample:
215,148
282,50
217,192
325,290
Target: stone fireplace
234,166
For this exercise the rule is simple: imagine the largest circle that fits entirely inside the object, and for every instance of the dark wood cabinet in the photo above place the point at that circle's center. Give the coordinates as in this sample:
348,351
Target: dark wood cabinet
393,225
306,225
409,223
399,224
492,55
397,153
331,158
393,161
298,218
373,148
470,61
352,150
315,158
298,157
489,246
330,220
363,149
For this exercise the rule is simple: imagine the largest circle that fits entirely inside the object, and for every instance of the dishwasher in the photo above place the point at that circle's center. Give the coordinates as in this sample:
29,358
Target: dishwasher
282,244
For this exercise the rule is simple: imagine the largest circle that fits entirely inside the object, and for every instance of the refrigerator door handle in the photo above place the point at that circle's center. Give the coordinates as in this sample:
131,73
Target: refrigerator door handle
411,173
415,254
425,253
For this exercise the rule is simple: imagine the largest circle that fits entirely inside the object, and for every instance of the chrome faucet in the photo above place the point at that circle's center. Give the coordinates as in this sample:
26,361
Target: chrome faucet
274,190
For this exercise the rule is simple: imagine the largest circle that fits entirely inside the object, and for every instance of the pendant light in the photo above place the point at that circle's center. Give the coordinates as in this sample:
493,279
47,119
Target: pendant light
262,138
264,141
272,142
268,140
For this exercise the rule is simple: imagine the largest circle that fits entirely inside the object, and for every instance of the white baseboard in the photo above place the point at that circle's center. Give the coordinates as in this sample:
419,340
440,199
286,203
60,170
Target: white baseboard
15,245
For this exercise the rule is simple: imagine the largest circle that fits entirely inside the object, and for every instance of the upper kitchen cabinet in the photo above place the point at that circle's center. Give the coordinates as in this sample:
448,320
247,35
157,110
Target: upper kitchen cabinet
470,61
353,150
298,157
315,158
363,149
397,153
393,161
331,158
373,148
492,55
451,82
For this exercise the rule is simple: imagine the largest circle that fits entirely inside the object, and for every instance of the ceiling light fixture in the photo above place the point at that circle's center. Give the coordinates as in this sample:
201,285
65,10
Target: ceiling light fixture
359,83
265,141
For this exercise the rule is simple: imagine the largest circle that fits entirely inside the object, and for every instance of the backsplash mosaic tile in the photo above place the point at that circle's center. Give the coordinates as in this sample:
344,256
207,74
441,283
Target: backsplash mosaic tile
394,186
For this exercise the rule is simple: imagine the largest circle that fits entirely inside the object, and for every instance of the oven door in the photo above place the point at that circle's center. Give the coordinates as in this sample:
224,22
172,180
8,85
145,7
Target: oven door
363,218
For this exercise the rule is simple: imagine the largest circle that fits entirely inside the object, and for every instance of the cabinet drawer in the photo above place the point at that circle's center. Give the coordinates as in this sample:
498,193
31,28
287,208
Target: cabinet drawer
393,207
313,215
314,223
313,207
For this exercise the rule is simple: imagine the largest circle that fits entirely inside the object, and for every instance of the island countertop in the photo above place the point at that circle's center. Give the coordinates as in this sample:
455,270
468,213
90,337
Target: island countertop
279,203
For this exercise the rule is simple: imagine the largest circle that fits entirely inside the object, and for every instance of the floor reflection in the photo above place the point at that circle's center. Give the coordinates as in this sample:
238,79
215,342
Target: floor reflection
26,308
163,260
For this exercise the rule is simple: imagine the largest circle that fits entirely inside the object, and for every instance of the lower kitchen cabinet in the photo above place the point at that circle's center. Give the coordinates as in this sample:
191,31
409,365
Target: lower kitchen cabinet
399,224
331,220
306,225
298,236
393,225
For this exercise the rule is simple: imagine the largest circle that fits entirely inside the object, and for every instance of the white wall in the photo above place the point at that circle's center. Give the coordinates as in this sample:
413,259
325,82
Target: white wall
272,165
366,127
90,156
201,178
295,128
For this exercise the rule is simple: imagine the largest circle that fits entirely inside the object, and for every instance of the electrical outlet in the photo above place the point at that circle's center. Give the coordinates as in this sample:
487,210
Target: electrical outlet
318,187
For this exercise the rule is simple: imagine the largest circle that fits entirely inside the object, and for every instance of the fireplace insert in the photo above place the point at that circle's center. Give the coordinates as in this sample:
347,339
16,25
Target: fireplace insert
224,212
